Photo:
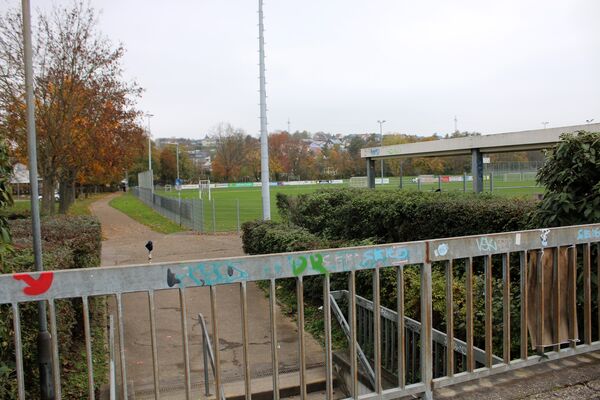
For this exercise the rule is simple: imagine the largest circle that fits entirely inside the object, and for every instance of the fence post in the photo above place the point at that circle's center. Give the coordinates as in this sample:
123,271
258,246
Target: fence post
202,215
491,181
179,201
419,184
440,183
214,218
426,326
237,203
465,182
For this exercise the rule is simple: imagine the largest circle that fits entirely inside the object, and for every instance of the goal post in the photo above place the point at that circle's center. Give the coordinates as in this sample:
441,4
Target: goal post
359,182
204,186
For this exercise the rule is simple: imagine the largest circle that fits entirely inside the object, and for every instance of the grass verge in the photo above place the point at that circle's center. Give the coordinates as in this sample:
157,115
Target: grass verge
82,206
134,208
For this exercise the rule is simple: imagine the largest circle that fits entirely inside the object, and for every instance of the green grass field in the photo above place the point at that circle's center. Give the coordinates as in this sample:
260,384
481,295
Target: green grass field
225,200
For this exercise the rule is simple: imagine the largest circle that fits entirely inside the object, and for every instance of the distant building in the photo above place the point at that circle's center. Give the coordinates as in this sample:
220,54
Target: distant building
20,174
201,159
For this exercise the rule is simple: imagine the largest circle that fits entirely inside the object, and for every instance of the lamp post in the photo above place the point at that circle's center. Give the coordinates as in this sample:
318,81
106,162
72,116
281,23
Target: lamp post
148,116
545,123
381,143
589,121
47,390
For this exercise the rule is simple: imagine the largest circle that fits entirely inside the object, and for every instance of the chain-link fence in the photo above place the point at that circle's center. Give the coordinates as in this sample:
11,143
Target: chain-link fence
199,215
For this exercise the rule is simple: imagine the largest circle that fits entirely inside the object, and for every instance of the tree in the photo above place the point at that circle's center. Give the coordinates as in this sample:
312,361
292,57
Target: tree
571,176
230,152
85,115
5,198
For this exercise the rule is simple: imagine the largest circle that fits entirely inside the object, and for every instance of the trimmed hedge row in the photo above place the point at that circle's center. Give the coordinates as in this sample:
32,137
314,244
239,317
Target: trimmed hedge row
67,242
344,217
402,216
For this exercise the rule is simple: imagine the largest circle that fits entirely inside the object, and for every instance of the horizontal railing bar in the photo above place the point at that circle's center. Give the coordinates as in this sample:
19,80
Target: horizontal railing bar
144,277
498,243
209,272
514,365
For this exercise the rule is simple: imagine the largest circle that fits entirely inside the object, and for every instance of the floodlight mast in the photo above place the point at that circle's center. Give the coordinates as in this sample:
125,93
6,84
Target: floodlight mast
264,138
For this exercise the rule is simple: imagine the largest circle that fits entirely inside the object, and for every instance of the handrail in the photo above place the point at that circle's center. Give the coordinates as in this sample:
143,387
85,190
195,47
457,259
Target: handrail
571,251
208,355
415,326
346,328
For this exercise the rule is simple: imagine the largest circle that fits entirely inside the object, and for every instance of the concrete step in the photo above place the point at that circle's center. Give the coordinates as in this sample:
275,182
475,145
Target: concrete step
262,388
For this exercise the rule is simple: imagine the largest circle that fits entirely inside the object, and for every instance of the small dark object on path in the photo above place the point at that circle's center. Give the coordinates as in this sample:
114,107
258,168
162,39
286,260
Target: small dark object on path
149,246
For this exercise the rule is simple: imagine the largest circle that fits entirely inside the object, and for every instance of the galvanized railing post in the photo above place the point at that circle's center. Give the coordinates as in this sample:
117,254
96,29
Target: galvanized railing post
301,342
488,311
274,342
587,295
112,374
377,331
426,327
540,302
449,320
556,301
400,326
245,345
524,301
328,345
18,351
352,325
237,206
88,347
506,307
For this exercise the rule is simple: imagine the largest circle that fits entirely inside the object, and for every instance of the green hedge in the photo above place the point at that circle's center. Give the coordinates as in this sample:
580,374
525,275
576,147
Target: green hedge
67,242
348,217
401,216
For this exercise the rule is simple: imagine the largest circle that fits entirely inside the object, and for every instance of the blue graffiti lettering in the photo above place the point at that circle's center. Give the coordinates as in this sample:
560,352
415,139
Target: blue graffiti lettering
212,274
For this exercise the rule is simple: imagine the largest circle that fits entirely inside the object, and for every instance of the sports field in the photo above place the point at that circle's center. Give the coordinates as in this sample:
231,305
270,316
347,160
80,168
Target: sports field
242,204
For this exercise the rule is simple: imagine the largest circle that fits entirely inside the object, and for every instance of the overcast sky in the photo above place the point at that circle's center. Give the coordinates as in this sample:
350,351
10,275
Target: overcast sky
340,65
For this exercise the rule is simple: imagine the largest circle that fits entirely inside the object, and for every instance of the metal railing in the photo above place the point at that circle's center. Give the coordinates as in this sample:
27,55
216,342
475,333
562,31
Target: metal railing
389,356
506,259
208,356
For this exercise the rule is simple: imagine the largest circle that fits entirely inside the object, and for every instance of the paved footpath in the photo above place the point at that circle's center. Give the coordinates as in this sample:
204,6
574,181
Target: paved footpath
123,243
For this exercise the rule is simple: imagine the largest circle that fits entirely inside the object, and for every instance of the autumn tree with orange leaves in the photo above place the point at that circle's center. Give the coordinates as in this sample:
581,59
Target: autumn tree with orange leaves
86,120
230,153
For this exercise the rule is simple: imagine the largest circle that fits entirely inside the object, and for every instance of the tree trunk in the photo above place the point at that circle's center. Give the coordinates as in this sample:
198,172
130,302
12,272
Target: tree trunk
67,195
48,188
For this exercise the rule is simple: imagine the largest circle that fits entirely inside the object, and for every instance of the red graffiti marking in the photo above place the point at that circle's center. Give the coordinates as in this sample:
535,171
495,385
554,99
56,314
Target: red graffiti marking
35,286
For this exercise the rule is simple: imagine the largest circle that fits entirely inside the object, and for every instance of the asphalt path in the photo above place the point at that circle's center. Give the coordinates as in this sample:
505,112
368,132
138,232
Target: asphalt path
123,243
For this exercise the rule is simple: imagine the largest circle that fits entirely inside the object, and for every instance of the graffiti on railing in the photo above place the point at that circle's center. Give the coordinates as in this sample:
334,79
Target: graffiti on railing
216,273
583,234
487,244
35,286
300,264
317,263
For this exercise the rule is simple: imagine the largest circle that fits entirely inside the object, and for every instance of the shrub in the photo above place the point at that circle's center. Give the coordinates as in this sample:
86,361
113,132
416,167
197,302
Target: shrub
571,176
263,237
399,216
67,242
